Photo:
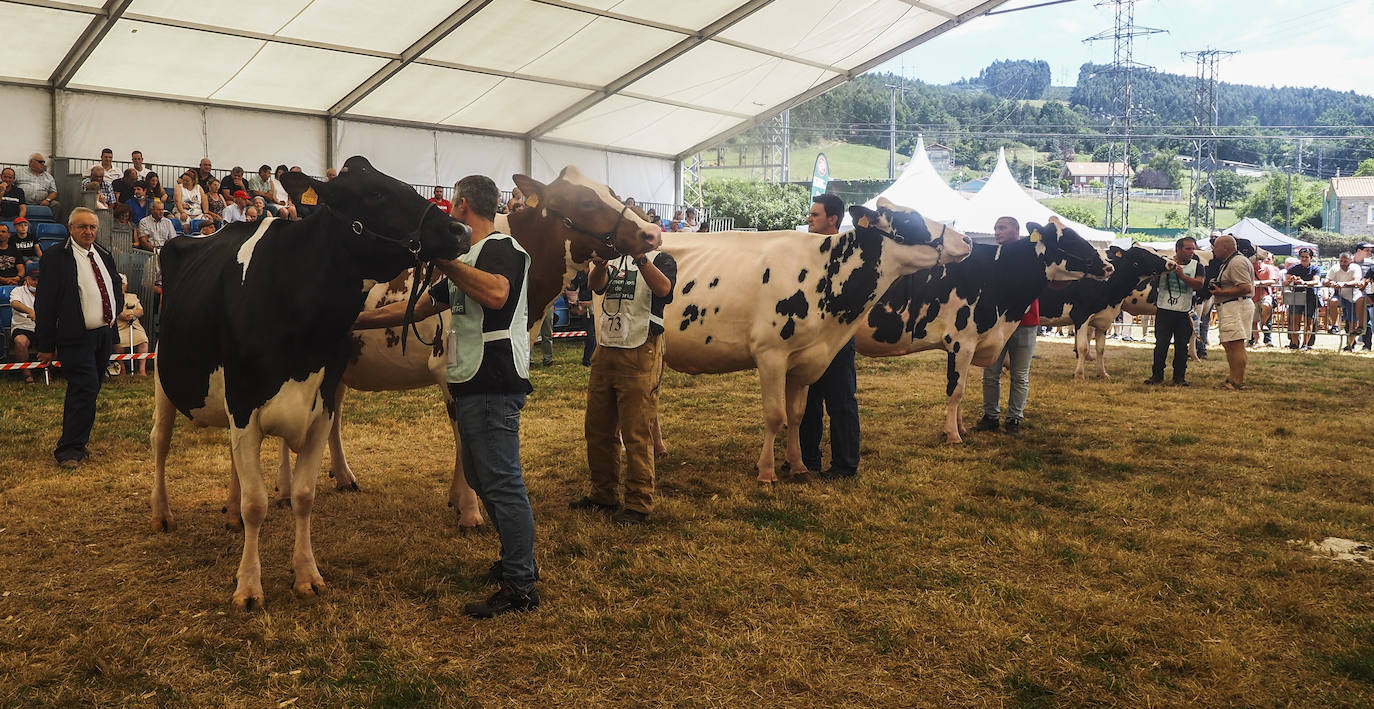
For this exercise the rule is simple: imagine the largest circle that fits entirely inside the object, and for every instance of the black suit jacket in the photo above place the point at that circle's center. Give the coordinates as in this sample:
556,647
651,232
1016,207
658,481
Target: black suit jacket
58,302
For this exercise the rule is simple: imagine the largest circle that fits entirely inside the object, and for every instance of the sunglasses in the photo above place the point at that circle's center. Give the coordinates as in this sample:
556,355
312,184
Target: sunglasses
41,162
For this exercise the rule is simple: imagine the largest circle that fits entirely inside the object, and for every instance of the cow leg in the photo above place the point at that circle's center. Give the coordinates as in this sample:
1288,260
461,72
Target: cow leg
956,377
161,440
773,383
460,494
246,447
1101,336
233,510
283,499
308,583
796,408
1080,348
344,479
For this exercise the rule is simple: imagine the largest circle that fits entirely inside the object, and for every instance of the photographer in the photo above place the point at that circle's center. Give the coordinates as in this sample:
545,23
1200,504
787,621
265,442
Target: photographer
1235,309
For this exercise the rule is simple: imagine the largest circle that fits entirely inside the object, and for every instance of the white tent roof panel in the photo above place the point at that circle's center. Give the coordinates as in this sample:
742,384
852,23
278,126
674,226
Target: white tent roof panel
640,75
40,40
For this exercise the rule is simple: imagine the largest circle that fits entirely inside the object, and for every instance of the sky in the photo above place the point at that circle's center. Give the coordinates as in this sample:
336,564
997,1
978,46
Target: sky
1279,42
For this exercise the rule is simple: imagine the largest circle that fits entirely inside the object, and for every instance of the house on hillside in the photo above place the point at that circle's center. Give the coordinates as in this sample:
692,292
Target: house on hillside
941,157
1081,174
1348,206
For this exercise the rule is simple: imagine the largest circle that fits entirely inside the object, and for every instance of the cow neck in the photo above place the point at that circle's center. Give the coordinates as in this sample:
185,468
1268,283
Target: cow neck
311,302
373,255
550,258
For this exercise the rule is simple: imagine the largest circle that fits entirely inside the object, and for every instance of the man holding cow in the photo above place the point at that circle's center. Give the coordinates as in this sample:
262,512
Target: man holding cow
488,377
1020,348
1174,316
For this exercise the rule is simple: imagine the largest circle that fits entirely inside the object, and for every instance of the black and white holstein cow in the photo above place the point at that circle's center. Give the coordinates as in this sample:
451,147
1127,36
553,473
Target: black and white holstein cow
971,308
568,221
1091,306
255,324
785,302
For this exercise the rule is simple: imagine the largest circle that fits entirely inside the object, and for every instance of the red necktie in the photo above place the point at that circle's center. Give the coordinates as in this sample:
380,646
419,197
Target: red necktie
105,310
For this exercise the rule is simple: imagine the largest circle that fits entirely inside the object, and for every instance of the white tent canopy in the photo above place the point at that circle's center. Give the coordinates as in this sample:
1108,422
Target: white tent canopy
639,77
1002,197
921,188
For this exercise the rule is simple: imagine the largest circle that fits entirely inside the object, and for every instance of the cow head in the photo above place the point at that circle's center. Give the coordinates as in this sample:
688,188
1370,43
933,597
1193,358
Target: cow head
589,216
1066,255
907,227
1136,263
391,225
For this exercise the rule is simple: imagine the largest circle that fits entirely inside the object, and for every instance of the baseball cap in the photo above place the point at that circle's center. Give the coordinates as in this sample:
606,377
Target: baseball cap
240,194
1361,245
20,220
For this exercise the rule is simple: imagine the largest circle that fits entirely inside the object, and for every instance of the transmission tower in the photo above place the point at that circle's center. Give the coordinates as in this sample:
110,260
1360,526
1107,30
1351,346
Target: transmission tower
691,183
1123,36
1202,198
777,151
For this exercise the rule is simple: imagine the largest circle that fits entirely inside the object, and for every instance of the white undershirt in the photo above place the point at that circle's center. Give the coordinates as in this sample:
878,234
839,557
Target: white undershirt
90,291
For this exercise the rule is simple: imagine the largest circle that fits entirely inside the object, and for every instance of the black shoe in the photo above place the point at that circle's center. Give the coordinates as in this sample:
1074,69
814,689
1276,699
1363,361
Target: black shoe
1013,428
587,503
1180,382
628,517
1154,380
987,423
833,473
1292,346
547,363
493,576
505,600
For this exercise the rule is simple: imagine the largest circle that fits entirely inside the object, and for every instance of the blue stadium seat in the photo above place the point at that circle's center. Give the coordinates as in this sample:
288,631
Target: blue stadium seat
48,242
176,226
6,317
42,230
195,226
39,213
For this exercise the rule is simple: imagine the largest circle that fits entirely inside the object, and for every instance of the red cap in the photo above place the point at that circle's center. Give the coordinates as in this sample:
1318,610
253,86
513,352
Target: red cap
240,194
20,220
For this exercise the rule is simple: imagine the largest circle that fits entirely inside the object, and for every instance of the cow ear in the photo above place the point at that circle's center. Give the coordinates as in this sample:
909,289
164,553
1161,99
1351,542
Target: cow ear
305,190
863,216
532,188
1115,252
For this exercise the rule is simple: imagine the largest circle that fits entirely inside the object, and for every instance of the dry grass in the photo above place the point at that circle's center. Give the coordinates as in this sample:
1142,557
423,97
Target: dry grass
1112,557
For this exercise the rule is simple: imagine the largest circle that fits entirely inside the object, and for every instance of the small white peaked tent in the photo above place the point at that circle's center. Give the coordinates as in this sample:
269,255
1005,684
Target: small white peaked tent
921,188
1002,197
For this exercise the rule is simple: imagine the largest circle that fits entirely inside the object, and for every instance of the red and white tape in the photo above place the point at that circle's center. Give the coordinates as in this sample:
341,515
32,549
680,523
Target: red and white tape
564,335
56,363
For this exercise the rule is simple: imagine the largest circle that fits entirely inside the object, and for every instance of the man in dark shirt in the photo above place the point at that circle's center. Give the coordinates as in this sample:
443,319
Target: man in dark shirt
1303,278
124,187
11,261
12,203
488,352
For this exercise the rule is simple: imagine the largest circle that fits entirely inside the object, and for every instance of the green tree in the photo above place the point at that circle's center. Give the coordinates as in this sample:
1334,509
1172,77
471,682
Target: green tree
1230,187
1082,215
1365,169
1270,202
1101,152
764,206
1166,162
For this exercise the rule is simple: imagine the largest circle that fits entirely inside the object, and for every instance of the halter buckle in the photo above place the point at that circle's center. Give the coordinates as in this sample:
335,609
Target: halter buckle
357,228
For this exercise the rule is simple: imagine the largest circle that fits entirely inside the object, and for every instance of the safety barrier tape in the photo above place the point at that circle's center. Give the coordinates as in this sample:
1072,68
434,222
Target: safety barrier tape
56,363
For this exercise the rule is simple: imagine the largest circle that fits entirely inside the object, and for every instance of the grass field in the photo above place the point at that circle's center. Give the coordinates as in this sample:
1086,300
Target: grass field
1134,550
1143,213
848,161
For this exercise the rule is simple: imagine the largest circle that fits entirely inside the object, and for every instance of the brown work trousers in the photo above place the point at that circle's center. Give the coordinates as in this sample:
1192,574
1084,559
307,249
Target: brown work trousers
622,396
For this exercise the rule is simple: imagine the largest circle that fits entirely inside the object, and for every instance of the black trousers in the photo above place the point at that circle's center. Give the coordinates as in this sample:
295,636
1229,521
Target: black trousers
1178,328
84,360
835,392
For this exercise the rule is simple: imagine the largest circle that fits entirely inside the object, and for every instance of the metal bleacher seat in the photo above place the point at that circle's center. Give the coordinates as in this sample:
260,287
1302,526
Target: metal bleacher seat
43,230
48,242
38,213
176,227
6,319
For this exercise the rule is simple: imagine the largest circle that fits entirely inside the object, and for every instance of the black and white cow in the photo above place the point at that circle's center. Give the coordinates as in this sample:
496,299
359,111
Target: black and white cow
1091,306
255,324
785,302
971,308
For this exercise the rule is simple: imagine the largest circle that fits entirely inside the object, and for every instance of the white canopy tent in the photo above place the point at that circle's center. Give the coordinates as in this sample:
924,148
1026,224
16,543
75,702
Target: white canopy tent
1002,197
431,89
921,188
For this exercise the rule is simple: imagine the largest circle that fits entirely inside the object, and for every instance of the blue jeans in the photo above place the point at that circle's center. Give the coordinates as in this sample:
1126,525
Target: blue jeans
1020,347
490,427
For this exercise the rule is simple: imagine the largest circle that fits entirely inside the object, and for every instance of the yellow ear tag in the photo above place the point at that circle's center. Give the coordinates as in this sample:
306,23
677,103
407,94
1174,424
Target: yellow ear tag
1035,236
309,198
532,201
863,221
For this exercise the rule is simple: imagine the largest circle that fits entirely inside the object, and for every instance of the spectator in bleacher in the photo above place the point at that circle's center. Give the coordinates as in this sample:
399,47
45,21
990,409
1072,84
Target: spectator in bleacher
95,182
38,184
190,202
21,304
285,209
690,223
296,168
438,199
516,201
264,209
155,228
652,215
107,162
234,182
236,212
11,197
260,185
204,176
11,261
1267,278
136,158
252,215
153,186
330,174
675,225
140,205
214,201
124,219
1303,277
124,186
26,243
208,227
131,333
1346,272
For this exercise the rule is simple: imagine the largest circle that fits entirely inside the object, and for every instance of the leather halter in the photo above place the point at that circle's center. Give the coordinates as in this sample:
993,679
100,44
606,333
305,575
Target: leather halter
607,238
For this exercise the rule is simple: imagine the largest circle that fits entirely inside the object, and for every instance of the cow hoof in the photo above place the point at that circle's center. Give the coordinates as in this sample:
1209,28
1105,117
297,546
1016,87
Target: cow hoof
163,523
248,602
234,524
953,440
766,486
309,590
349,487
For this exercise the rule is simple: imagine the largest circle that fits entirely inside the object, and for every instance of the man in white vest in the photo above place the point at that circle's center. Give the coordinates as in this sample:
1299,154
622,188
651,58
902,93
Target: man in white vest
622,391
1174,305
488,375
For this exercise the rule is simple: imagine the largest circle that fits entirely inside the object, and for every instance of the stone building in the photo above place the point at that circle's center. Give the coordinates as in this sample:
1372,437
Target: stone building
1348,206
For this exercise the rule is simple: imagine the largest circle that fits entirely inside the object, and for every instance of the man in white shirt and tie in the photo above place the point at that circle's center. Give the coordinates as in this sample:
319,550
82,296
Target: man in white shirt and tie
76,313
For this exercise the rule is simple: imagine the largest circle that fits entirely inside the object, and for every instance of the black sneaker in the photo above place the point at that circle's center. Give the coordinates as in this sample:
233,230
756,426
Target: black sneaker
1154,380
833,473
493,576
987,423
1013,428
505,600
628,517
587,503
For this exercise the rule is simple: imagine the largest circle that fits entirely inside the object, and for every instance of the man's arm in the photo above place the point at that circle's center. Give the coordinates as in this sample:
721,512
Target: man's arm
1194,282
19,307
659,283
598,276
490,290
394,314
